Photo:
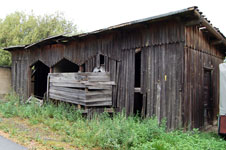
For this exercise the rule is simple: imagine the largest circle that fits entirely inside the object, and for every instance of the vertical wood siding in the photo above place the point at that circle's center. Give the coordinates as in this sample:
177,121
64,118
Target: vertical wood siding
162,82
199,53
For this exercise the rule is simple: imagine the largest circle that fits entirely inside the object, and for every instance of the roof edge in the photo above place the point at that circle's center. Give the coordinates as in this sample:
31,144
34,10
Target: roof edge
10,48
210,28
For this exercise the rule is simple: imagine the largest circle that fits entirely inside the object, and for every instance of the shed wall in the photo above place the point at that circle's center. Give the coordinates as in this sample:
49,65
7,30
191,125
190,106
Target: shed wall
200,55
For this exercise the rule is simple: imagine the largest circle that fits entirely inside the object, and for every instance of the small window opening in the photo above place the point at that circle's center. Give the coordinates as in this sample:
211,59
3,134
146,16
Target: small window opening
101,60
100,65
138,69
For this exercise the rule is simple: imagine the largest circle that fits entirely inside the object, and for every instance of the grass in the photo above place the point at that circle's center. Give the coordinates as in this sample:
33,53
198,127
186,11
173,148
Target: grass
63,127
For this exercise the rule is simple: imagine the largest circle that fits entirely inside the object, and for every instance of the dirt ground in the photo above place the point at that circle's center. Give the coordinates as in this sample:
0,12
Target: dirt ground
34,137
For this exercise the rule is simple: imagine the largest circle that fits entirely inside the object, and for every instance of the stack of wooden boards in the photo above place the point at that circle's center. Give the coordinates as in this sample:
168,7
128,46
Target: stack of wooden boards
85,88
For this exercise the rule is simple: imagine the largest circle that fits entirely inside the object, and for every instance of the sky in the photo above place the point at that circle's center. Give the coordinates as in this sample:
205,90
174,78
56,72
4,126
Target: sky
90,15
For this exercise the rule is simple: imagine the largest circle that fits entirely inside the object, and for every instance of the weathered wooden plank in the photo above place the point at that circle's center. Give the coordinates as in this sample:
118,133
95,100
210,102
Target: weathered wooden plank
68,94
67,89
99,78
75,85
131,71
62,98
102,99
65,80
163,76
100,104
174,88
169,90
119,84
126,68
98,96
99,87
90,93
99,83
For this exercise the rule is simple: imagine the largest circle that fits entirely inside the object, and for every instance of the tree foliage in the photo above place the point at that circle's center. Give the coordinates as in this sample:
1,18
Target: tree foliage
20,28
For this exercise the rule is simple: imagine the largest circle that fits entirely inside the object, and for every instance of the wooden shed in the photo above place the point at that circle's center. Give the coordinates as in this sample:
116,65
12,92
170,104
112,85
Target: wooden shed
165,65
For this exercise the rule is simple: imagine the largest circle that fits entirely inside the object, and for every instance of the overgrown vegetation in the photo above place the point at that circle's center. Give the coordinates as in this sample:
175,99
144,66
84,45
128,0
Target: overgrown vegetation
105,132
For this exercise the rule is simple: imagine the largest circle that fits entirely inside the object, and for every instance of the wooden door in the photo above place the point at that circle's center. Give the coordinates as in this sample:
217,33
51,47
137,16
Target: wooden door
207,98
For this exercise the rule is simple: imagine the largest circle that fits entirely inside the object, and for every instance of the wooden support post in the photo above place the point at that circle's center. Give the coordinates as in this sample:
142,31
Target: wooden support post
98,60
81,69
47,91
86,90
48,80
29,82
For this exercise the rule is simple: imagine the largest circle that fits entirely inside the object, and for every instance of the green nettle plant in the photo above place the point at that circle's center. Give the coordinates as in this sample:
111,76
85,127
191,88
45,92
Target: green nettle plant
109,132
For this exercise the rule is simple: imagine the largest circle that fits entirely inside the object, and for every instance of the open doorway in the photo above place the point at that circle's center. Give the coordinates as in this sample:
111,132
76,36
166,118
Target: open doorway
138,97
65,66
39,79
138,103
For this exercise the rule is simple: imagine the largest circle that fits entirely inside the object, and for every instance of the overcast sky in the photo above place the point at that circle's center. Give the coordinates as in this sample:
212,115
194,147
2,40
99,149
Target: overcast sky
91,15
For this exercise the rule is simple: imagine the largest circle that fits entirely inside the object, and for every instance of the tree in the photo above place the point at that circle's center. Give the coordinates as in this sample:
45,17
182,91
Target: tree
20,29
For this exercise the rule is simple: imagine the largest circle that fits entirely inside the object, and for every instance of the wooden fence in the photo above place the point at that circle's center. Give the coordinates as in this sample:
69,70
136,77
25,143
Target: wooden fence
86,88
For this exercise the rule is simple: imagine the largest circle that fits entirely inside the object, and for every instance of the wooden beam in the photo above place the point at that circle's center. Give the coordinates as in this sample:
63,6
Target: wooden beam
193,22
137,90
217,42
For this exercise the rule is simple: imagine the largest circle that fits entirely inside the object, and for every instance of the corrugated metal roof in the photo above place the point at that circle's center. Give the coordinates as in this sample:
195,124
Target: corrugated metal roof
51,39
14,47
191,10
154,18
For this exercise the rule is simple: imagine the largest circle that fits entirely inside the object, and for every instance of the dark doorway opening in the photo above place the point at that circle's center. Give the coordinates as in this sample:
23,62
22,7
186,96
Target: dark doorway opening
138,97
65,66
207,98
138,103
39,79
